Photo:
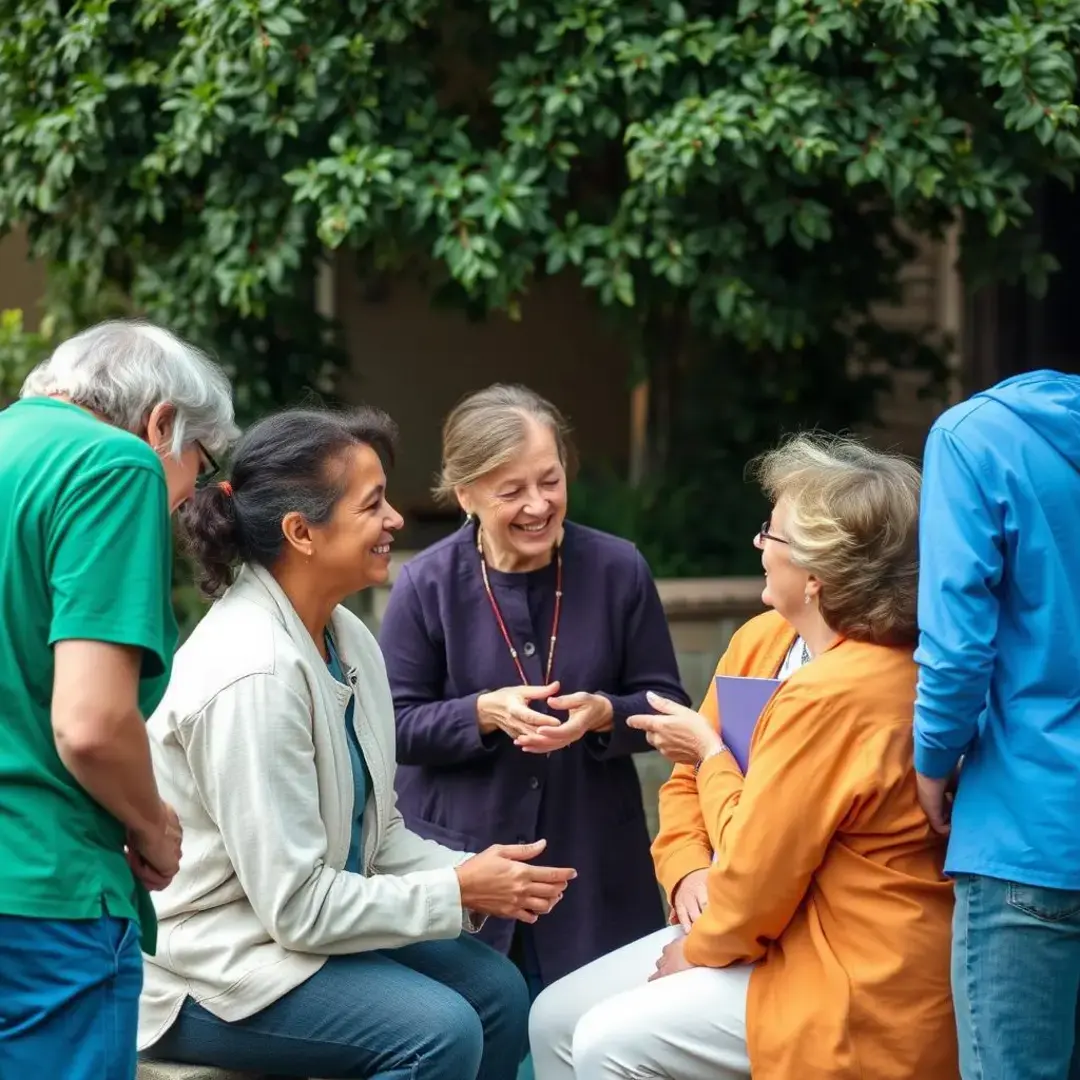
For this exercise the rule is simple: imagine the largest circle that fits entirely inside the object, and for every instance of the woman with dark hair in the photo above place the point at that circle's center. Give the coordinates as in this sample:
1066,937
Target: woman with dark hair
309,931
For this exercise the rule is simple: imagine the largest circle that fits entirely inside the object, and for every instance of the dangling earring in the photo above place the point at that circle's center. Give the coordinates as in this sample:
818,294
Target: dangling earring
470,517
806,598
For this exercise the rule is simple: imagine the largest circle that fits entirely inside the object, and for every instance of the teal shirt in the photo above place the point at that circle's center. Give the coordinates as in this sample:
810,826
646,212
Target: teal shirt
85,553
361,776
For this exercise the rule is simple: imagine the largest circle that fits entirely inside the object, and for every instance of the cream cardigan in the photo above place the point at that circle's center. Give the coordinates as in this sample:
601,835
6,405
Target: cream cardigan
250,747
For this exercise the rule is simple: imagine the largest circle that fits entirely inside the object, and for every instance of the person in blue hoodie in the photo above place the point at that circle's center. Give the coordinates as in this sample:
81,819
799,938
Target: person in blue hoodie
998,715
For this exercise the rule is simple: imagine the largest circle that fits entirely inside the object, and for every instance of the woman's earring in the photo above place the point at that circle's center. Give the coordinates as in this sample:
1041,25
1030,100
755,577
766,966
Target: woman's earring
806,598
469,517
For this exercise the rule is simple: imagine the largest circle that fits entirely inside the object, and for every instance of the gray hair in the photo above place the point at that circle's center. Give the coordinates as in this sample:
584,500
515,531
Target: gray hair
123,369
486,430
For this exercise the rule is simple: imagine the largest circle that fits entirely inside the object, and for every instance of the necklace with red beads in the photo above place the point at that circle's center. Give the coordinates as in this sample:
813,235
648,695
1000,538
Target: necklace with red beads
502,622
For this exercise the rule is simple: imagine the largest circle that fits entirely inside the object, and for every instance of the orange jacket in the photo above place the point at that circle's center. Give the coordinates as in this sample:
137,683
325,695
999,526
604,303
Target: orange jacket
826,874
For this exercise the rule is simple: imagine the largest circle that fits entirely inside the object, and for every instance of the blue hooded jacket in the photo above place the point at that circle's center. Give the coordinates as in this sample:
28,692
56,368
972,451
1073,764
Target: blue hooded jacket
999,622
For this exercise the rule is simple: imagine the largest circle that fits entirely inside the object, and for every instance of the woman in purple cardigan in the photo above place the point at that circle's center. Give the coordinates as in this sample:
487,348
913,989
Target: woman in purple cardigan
516,649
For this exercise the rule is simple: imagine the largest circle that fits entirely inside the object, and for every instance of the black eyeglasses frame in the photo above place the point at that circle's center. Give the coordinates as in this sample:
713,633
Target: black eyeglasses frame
764,534
212,469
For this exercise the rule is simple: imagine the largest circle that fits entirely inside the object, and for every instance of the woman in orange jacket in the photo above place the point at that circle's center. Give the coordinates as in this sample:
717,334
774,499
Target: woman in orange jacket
813,916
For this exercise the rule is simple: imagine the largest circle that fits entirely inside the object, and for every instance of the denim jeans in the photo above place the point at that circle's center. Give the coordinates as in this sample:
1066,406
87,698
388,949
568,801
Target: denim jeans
437,1010
1016,980
69,998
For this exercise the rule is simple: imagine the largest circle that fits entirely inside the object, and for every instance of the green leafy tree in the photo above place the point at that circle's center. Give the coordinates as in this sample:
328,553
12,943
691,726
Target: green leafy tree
20,351
736,182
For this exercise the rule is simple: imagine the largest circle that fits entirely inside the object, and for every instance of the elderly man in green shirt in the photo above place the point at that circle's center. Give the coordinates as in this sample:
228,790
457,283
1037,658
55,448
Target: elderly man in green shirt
110,436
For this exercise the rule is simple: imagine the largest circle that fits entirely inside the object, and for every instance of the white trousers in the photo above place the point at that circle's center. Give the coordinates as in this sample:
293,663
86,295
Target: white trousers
607,1022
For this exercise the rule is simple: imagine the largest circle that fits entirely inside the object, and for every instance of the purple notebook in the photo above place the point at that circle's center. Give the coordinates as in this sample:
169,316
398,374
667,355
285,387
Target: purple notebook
741,701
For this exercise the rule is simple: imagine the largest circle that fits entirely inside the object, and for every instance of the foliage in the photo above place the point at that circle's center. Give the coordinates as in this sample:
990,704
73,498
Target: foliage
698,518
736,180
654,514
20,352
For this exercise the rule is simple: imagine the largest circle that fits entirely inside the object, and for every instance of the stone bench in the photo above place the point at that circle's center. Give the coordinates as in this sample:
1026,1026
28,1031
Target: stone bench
166,1070
169,1070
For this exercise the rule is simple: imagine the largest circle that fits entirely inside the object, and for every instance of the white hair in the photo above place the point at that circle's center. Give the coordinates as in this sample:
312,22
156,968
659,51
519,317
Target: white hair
123,369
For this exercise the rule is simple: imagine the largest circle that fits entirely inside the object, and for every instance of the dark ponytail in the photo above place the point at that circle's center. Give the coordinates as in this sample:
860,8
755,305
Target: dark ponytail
208,527
285,463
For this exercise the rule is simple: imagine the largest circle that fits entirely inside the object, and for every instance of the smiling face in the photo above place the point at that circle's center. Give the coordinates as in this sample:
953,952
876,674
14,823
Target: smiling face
521,505
351,551
786,584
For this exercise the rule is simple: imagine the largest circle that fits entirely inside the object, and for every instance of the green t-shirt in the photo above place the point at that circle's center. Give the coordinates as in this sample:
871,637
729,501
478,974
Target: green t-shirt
85,553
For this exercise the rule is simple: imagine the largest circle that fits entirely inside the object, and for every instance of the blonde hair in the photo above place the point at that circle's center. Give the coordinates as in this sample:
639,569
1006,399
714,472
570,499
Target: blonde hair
853,524
486,429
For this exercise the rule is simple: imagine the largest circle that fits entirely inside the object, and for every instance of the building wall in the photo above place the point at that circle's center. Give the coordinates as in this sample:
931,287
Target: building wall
416,361
932,305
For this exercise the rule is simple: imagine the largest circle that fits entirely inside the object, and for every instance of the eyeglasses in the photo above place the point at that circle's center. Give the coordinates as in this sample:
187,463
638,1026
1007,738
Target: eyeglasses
764,534
210,467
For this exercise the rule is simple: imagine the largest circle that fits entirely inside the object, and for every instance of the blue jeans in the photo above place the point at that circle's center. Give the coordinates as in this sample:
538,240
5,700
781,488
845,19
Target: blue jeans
437,1010
1016,980
69,998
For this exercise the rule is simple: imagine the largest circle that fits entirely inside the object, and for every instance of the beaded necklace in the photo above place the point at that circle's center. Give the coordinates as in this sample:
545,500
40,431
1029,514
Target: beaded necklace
502,623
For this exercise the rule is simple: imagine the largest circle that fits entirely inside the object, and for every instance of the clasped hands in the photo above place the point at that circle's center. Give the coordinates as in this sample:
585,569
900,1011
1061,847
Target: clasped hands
535,732
154,855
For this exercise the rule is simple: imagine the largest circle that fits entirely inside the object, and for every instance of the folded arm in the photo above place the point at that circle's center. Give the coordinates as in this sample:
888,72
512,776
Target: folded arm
770,830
